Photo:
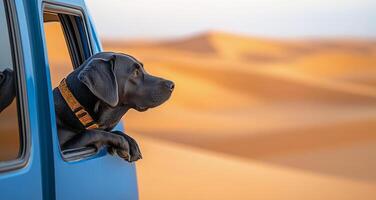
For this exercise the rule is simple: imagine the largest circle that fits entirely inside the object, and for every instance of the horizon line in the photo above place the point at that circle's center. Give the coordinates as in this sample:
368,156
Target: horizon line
237,34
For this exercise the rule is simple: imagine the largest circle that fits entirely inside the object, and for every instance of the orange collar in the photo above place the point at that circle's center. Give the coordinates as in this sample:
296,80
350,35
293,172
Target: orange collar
80,112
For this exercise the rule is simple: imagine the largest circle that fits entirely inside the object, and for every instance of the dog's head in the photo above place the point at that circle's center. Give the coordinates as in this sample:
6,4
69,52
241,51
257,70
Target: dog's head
119,79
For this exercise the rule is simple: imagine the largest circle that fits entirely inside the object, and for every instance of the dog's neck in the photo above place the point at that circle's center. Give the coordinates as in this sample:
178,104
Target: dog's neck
82,94
99,110
108,117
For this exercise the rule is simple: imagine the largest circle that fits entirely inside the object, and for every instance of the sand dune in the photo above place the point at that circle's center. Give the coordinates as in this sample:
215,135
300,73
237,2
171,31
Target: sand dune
258,118
172,171
283,119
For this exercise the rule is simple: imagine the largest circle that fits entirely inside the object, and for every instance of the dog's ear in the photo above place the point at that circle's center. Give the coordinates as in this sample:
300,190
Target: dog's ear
98,75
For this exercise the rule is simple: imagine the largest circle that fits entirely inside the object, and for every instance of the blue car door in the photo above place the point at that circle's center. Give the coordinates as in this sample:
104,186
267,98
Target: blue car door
69,38
25,170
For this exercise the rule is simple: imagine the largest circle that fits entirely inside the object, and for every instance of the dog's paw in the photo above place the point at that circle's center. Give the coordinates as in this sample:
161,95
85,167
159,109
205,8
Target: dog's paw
111,150
121,153
131,154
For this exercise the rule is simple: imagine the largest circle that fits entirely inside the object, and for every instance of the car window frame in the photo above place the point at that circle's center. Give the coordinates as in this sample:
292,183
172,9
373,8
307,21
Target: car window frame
21,96
66,9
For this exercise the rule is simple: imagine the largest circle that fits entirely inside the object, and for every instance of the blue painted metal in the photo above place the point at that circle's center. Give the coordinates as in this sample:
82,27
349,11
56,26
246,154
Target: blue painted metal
47,175
26,183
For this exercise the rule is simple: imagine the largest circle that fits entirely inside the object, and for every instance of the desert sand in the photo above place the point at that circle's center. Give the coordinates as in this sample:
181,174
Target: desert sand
258,118
174,171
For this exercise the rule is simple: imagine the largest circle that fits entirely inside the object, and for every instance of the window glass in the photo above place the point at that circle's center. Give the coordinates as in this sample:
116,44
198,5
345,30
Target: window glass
9,127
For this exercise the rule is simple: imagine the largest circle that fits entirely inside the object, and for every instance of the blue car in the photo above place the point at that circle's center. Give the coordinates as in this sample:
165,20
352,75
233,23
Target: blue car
41,41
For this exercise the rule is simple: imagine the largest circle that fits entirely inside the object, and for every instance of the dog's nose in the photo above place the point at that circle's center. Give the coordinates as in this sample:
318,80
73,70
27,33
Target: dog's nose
170,85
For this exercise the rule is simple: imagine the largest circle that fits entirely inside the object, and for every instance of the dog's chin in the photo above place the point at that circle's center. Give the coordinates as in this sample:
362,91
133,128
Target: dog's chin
146,107
141,109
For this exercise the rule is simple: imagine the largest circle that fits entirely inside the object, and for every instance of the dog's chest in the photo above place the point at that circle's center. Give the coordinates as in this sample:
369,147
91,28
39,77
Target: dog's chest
110,117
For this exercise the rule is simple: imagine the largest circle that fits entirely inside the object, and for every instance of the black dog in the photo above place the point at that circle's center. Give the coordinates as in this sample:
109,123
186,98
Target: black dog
106,86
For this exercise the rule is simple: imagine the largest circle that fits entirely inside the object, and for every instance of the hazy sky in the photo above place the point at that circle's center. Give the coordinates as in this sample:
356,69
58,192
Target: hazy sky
129,19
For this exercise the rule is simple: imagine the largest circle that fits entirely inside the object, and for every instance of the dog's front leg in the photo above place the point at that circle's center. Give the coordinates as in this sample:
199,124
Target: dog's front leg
98,139
134,149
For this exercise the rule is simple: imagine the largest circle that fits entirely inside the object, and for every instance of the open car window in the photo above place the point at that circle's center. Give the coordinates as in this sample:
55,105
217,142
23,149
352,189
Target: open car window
68,46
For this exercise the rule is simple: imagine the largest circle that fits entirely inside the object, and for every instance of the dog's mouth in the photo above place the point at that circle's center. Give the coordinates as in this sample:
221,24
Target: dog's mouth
152,99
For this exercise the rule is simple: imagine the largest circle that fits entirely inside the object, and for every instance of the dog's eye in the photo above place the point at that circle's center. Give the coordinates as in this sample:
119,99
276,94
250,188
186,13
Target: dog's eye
135,73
